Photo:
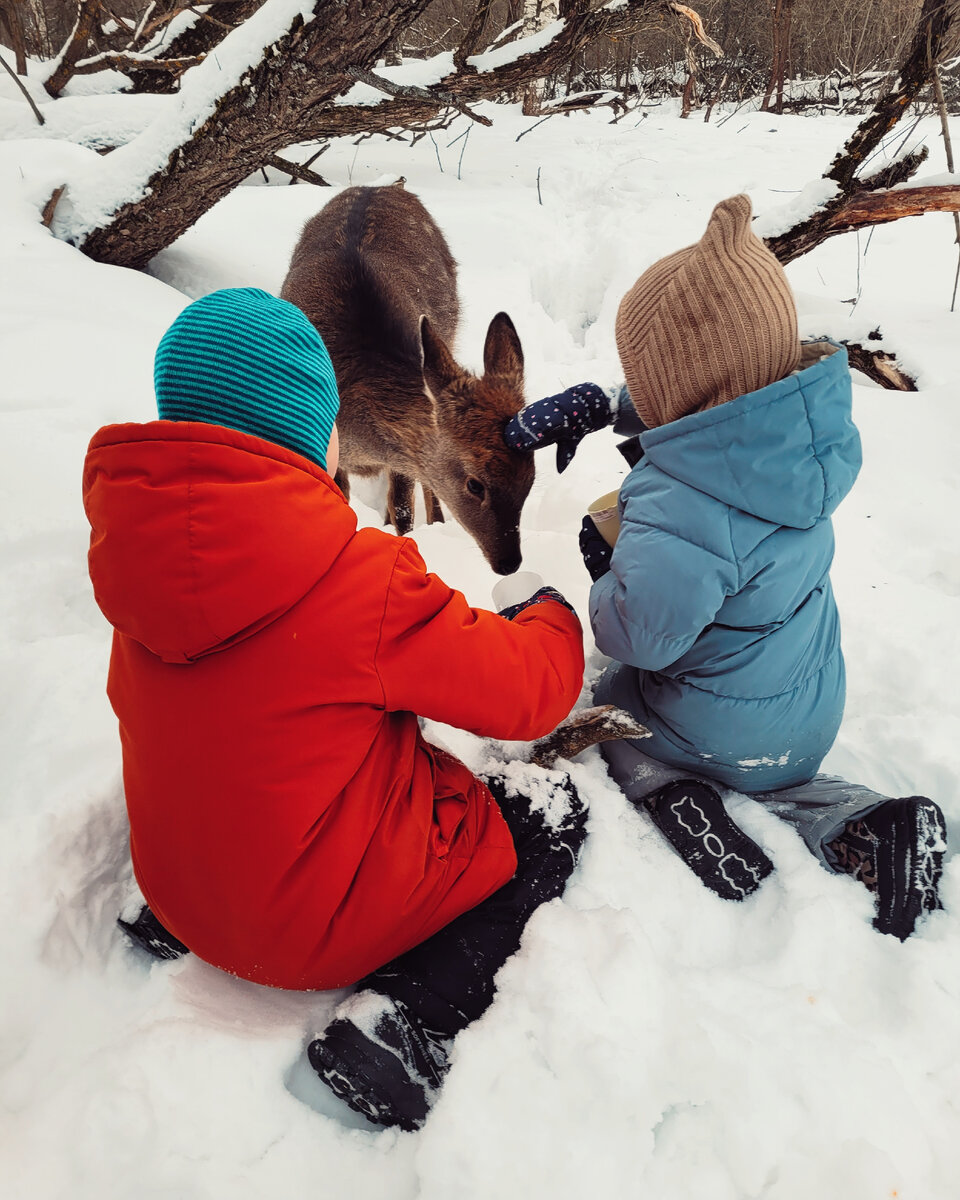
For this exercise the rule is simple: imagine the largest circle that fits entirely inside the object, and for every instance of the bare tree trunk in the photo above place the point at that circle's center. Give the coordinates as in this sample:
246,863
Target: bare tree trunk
88,11
11,23
537,14
782,16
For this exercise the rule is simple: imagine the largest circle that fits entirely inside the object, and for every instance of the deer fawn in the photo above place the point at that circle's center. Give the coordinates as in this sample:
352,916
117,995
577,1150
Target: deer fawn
374,274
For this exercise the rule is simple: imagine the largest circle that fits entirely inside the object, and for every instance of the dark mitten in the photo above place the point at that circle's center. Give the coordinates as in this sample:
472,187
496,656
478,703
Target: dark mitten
538,597
562,420
596,553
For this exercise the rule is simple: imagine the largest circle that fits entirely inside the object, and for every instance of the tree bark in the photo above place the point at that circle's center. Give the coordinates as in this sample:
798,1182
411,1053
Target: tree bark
860,210
589,727
87,14
288,97
195,42
10,20
926,46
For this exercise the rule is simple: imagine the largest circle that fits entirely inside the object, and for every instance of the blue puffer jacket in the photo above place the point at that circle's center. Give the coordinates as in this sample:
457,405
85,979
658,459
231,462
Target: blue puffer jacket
718,599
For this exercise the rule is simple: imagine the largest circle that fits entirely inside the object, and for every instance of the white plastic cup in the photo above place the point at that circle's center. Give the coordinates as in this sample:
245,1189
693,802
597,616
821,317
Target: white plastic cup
514,589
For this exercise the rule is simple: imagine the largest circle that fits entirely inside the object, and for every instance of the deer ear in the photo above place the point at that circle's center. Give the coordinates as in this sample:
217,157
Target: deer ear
502,352
440,368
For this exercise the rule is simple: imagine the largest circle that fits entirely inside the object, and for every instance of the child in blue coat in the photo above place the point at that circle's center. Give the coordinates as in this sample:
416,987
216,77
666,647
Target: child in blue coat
715,604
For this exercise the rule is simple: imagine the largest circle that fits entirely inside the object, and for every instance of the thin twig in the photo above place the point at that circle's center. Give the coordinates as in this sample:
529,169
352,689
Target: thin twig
463,150
16,79
533,126
948,147
437,149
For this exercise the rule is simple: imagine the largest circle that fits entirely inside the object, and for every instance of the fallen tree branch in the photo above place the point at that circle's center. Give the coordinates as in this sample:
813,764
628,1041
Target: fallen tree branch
16,79
880,366
46,216
587,728
126,63
290,95
295,170
406,91
859,210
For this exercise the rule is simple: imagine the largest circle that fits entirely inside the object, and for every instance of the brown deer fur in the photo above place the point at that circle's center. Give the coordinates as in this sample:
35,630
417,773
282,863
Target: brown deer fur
374,274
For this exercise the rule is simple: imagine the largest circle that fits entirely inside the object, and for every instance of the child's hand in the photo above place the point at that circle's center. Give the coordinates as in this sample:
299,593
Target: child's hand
538,597
596,553
562,420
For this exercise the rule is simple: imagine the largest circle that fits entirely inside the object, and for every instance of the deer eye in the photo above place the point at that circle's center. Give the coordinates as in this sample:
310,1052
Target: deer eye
476,488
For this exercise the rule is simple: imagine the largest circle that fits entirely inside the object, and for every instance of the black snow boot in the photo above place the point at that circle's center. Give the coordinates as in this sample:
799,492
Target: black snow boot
147,932
389,1073
691,816
896,852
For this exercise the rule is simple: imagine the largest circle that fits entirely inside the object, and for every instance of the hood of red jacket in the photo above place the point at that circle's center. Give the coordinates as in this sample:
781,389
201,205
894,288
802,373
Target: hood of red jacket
202,535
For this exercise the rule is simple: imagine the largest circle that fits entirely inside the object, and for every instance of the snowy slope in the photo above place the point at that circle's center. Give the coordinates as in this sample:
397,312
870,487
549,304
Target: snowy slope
649,1040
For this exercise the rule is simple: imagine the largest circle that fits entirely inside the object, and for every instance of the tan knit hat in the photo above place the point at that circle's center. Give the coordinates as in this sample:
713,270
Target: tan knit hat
708,323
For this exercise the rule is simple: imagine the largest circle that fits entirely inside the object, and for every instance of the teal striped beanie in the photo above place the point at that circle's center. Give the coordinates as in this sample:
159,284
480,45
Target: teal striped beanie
244,359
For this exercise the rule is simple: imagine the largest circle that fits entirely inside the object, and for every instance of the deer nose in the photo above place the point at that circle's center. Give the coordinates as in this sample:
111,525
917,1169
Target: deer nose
506,564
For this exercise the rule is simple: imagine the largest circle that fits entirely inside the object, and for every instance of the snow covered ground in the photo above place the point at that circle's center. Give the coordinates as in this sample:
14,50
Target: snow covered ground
650,1040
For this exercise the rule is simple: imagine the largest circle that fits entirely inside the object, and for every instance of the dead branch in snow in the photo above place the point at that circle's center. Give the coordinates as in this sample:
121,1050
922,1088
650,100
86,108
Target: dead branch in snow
587,728
16,79
880,366
134,62
46,217
296,171
861,209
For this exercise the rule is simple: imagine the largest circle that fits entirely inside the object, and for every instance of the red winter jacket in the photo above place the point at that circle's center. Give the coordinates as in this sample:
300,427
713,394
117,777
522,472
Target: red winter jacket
287,820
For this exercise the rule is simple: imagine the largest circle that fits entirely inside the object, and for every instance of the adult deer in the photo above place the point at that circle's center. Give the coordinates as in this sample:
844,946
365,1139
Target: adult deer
374,274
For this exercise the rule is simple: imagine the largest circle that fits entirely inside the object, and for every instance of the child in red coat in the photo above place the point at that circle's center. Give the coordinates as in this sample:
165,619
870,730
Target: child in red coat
288,822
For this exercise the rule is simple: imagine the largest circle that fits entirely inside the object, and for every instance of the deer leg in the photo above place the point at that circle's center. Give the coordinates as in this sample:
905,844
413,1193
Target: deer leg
400,503
432,505
342,480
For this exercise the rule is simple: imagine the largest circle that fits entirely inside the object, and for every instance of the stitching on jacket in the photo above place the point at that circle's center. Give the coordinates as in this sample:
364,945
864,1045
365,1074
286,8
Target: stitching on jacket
644,524
383,617
816,457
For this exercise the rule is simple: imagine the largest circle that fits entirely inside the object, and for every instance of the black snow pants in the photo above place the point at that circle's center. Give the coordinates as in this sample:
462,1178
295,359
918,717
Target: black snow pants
447,981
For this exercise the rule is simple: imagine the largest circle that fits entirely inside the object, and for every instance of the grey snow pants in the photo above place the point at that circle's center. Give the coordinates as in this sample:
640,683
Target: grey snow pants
818,810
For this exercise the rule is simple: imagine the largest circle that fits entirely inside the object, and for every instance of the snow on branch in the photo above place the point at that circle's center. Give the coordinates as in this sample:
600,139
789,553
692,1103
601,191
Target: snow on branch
292,73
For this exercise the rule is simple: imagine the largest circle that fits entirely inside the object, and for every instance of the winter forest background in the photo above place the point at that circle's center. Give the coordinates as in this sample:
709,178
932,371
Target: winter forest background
649,1040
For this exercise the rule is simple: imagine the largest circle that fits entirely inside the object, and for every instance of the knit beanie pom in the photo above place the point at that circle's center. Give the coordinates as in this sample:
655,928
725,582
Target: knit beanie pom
708,323
243,359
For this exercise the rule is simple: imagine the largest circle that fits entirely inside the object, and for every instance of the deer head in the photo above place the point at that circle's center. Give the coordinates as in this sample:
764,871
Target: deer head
470,467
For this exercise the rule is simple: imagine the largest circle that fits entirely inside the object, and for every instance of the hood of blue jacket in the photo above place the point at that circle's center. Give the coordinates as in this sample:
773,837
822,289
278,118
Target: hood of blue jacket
787,453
